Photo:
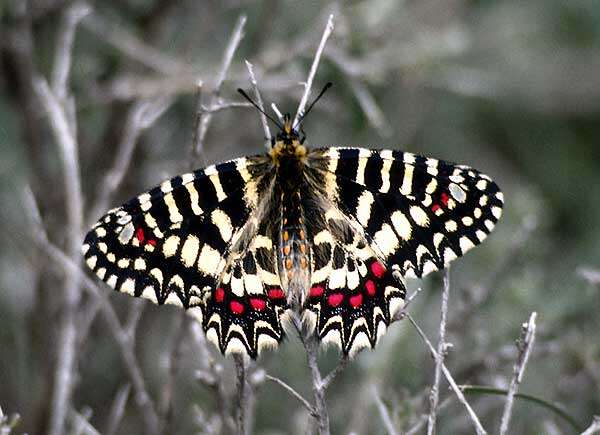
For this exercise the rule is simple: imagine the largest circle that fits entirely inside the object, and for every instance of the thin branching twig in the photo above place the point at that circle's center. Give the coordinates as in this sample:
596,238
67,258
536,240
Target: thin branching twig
383,412
242,394
293,392
313,70
472,415
117,410
594,427
439,360
259,101
525,345
57,104
204,119
140,116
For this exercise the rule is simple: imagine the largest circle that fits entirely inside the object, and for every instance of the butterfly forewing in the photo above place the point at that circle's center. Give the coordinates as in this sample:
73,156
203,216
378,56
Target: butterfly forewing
420,213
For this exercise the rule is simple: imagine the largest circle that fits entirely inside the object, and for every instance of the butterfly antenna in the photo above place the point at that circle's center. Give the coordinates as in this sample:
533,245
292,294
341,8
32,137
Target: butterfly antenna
247,97
327,86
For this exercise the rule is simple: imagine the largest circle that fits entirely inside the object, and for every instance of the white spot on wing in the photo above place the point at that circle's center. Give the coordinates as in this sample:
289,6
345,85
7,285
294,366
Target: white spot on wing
363,211
209,260
419,216
223,223
170,246
406,188
465,244
386,240
174,214
128,287
91,262
189,251
401,224
194,199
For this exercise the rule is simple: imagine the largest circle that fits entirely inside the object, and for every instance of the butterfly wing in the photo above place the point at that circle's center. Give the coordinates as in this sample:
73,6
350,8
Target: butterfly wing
421,213
353,297
387,215
180,243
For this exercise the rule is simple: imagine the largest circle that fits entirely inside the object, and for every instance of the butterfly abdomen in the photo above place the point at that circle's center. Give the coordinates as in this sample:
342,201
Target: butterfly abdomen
293,256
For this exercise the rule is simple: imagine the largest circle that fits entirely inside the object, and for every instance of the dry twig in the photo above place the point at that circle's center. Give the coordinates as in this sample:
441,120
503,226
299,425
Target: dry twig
259,101
383,413
594,427
294,393
439,360
56,103
204,119
525,345
313,70
459,394
117,410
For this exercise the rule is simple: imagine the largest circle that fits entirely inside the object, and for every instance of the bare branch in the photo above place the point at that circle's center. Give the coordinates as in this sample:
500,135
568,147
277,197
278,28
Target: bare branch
117,410
62,58
313,69
241,386
439,360
71,267
370,107
232,46
81,424
277,111
8,422
225,105
343,362
204,119
311,347
140,117
461,397
590,275
294,393
64,135
525,345
133,47
259,101
594,427
383,413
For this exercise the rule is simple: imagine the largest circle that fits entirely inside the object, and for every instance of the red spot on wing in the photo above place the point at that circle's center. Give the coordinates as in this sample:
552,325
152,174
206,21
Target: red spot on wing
258,304
316,292
435,207
356,300
236,307
139,234
370,288
219,295
275,293
444,198
152,242
335,299
377,269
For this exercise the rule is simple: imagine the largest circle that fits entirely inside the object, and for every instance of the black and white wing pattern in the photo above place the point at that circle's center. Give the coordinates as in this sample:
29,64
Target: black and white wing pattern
387,215
420,213
194,242
353,297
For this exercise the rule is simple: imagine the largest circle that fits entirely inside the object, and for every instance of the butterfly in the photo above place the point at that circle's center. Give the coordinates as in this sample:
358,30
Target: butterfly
326,233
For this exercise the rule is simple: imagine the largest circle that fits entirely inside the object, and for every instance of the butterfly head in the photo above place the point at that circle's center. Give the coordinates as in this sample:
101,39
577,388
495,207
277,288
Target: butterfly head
287,134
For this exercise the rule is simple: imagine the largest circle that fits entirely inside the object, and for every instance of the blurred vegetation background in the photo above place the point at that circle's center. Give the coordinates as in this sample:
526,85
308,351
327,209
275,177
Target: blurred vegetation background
509,87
